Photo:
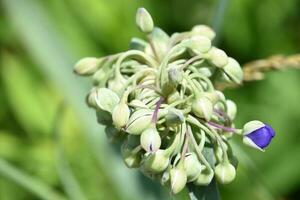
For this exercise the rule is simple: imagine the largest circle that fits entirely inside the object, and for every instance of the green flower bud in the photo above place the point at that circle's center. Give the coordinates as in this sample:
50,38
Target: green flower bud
203,108
116,84
150,139
204,30
231,109
107,99
87,66
160,42
139,121
200,44
91,98
144,20
218,57
138,44
212,96
137,103
120,115
178,178
174,117
234,71
175,75
205,177
192,166
131,159
100,76
173,97
156,162
225,172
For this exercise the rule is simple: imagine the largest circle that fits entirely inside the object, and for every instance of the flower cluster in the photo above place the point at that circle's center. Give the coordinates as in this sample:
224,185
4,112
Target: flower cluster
158,98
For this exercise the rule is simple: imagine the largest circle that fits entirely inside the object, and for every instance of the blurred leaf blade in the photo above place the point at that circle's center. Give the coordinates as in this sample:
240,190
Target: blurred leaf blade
56,61
26,181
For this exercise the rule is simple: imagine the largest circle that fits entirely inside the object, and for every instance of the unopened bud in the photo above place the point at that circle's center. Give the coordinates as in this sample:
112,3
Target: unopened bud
231,109
200,44
150,140
120,114
257,134
178,178
225,172
156,162
192,166
204,30
87,66
205,177
91,98
203,108
144,20
139,121
174,117
138,44
107,99
218,57
234,71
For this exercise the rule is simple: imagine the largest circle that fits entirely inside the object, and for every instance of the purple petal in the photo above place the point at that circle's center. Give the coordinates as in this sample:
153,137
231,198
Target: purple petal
262,136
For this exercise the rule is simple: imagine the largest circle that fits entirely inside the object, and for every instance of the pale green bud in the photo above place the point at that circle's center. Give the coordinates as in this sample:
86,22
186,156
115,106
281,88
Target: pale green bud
200,44
150,139
218,57
137,103
107,99
100,76
234,71
174,117
91,98
225,172
174,96
160,41
231,109
87,66
131,159
175,75
116,84
139,121
178,178
120,114
204,30
203,108
138,44
192,166
156,162
212,96
205,177
144,20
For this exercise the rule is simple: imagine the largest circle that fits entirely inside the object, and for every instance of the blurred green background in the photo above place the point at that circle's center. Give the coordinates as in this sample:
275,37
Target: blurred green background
51,151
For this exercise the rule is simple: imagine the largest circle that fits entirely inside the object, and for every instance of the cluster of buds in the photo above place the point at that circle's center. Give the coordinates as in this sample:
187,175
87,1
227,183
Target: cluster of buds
158,99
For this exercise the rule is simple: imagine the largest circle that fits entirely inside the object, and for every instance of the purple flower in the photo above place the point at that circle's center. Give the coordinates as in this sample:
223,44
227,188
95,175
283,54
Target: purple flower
257,135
